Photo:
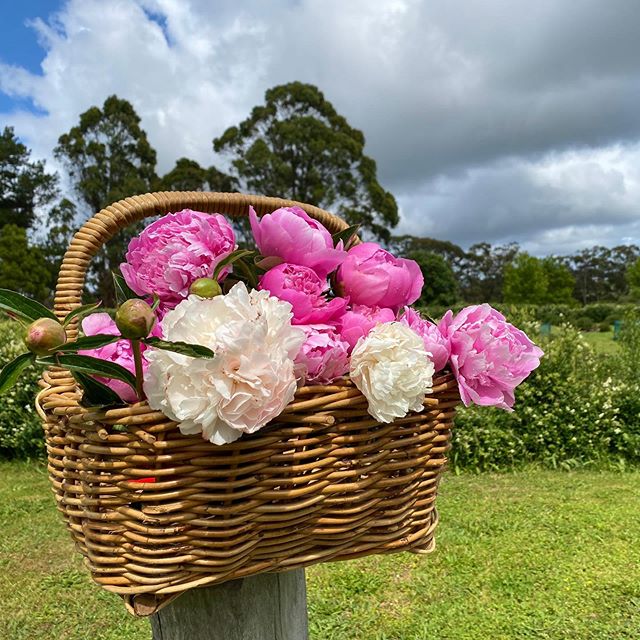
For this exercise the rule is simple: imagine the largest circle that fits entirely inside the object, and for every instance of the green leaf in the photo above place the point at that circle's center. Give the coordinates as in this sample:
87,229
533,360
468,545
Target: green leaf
90,365
95,393
183,348
23,307
87,342
123,290
156,302
11,372
79,311
230,259
345,235
250,272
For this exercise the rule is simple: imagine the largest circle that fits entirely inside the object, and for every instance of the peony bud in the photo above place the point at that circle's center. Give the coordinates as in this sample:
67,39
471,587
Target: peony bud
135,319
44,335
205,288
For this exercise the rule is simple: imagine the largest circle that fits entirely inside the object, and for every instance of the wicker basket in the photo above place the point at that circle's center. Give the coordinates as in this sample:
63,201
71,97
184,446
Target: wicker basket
155,512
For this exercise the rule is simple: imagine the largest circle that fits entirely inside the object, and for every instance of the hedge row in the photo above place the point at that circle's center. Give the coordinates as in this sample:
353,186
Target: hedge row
591,317
580,407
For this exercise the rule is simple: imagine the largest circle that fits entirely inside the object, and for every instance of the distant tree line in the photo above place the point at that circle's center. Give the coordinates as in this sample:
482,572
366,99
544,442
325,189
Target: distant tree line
296,146
506,273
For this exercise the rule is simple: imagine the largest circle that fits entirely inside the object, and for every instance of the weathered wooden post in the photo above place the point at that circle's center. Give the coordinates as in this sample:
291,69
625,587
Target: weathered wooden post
269,606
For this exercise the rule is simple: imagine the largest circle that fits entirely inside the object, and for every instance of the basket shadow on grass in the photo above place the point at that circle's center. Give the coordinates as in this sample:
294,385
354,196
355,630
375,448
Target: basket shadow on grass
536,554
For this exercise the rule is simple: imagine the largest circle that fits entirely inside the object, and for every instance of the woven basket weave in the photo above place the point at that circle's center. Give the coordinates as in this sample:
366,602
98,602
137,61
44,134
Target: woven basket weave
155,512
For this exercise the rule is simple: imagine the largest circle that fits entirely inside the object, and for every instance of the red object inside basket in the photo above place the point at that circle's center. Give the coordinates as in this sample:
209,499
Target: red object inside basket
141,480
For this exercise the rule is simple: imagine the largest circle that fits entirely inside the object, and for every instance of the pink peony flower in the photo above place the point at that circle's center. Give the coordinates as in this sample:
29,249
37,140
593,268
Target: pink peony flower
434,342
489,356
290,234
373,277
358,322
324,356
118,352
304,290
174,251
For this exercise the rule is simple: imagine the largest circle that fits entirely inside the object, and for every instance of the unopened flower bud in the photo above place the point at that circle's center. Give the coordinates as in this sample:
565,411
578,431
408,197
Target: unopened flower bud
135,319
205,288
44,335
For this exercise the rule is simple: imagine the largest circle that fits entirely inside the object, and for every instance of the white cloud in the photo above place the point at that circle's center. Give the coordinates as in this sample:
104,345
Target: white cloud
502,121
556,203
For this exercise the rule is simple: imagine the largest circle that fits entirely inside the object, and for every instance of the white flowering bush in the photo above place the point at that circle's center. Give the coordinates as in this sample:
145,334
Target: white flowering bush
21,433
577,408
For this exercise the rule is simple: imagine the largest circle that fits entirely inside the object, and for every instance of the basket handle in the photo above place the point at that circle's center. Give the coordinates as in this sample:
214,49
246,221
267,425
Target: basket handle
99,229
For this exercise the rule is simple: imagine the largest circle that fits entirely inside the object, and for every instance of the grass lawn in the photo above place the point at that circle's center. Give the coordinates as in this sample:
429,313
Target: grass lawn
601,341
538,554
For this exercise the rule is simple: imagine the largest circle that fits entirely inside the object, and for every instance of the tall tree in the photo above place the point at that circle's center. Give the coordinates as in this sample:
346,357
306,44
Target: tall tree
24,183
560,281
481,271
108,157
440,284
297,146
451,252
23,267
188,175
633,279
600,272
525,280
61,225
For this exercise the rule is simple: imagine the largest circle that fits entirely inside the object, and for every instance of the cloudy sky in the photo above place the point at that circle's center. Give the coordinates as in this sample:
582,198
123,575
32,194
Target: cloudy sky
491,120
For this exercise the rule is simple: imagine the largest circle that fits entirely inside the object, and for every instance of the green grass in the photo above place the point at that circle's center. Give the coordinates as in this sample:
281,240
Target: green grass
602,341
537,554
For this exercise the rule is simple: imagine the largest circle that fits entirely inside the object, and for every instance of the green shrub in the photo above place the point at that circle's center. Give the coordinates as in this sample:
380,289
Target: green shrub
584,323
577,408
20,427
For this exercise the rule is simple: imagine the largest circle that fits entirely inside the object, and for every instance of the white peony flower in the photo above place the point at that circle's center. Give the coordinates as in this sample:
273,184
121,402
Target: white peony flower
249,381
392,370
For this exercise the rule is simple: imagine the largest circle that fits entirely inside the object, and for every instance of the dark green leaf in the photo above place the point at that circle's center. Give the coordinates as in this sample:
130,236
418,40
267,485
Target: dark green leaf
230,259
345,235
123,290
90,365
23,307
95,393
87,342
79,311
185,349
250,272
11,372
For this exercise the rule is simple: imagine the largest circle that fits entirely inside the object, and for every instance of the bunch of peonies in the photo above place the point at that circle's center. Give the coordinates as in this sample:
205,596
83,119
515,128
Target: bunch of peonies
320,311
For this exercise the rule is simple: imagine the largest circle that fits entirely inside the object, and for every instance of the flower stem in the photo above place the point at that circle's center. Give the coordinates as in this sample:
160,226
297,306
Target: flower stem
137,360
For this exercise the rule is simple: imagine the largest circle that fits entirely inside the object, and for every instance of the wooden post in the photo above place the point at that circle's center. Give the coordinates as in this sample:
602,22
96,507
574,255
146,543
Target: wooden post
269,606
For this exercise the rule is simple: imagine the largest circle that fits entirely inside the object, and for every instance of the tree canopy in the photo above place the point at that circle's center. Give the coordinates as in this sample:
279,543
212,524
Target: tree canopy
24,183
23,267
188,175
633,279
297,146
532,280
440,284
108,157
